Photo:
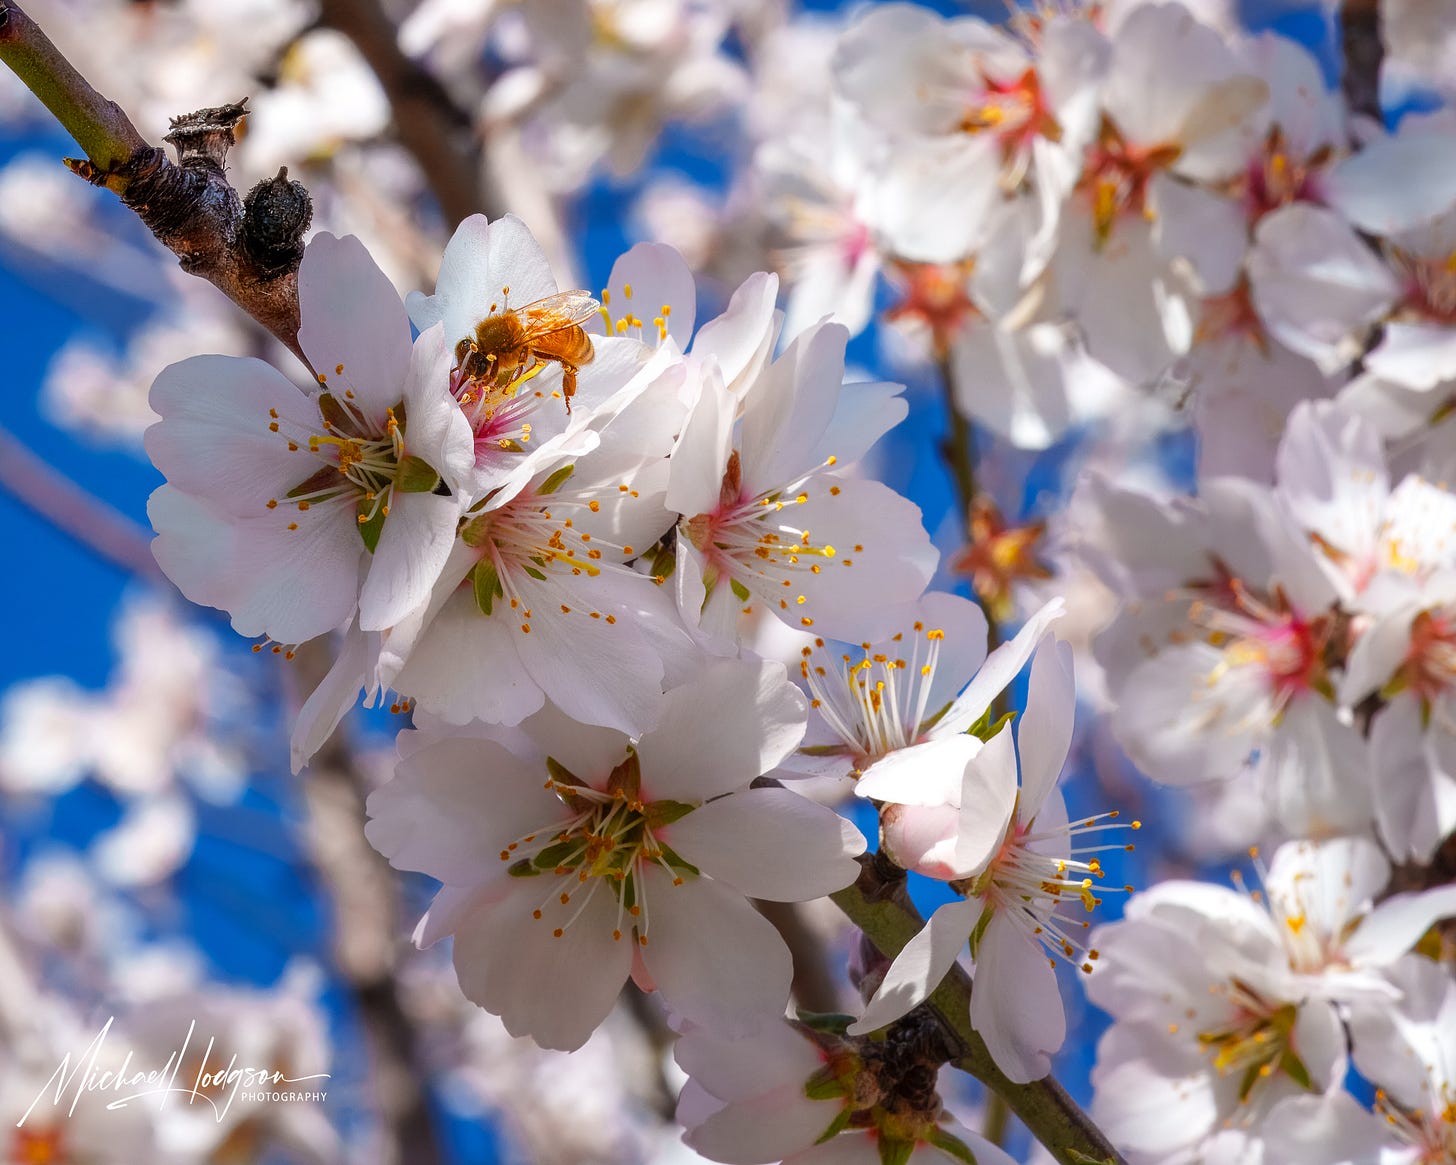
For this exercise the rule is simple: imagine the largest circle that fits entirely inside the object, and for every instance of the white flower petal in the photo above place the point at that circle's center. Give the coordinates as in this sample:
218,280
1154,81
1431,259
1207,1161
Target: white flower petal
920,966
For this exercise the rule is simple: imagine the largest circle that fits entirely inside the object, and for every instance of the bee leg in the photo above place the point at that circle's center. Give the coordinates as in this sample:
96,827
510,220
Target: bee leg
568,384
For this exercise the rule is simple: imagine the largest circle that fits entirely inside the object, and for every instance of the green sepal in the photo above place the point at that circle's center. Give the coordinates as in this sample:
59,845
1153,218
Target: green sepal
978,932
485,579
336,416
952,1146
523,869
836,1126
475,532
510,445
664,561
539,576
553,483
823,750
984,728
561,774
415,475
825,1084
1293,1067
677,863
373,528
661,813
931,721
740,592
895,1152
326,478
830,1023
553,855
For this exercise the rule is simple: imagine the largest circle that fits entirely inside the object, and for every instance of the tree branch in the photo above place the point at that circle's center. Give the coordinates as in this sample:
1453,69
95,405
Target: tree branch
436,132
1363,52
90,521
249,249
363,891
880,906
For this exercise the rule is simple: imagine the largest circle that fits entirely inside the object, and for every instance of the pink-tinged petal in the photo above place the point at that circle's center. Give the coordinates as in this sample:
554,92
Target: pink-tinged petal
451,909
352,315
789,407
413,547
1015,1004
770,843
657,277
336,694
882,558
454,806
290,585
1204,229
988,799
926,774
701,457
1149,1096
920,966
1000,668
854,1147
865,412
554,989
923,839
695,1104
600,671
1044,735
1361,186
1408,795
1314,282
775,1058
764,1128
214,441
435,428
1418,356
1324,1130
1331,474
717,962
741,340
585,750
1378,653
757,718
1393,927
481,260
464,667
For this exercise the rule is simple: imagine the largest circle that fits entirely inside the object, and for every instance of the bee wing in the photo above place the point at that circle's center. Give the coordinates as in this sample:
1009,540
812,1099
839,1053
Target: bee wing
566,309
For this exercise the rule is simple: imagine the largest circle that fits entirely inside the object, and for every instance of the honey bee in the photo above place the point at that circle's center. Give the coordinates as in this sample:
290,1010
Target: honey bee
510,343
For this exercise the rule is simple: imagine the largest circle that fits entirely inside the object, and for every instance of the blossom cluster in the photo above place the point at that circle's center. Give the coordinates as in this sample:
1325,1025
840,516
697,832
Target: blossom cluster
659,636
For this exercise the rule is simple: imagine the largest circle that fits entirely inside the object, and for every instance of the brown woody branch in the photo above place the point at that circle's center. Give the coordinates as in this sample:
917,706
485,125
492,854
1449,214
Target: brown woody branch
880,906
249,249
429,124
1363,52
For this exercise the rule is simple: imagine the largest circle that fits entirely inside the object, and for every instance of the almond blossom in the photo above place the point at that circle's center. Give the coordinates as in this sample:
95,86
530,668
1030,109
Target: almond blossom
808,1097
1227,1007
1003,840
294,511
573,857
770,513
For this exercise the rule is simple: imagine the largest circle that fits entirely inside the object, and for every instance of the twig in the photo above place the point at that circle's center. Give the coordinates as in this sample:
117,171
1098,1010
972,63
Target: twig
1363,52
362,889
880,906
47,492
435,131
250,249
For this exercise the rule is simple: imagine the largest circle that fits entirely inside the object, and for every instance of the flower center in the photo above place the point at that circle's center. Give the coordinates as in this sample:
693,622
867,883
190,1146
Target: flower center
1258,1043
1036,889
877,703
750,542
534,537
607,840
1432,1129
935,297
1116,177
37,1147
357,459
1276,178
1430,664
1430,285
